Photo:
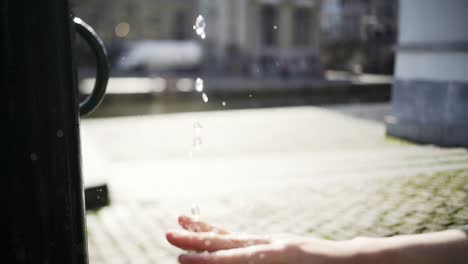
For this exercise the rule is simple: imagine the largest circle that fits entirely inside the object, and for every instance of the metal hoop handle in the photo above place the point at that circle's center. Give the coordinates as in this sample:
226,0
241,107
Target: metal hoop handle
91,102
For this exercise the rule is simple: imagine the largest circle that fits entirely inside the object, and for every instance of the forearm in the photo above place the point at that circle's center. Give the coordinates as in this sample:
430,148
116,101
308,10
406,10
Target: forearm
433,248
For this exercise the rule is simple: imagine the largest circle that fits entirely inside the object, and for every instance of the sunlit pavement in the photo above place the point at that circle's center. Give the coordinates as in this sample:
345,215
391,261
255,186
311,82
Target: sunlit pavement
302,170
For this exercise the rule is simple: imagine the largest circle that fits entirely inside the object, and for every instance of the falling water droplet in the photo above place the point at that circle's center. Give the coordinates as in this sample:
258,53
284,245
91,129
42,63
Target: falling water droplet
200,26
223,103
197,139
199,85
205,97
250,95
197,126
275,27
197,142
195,210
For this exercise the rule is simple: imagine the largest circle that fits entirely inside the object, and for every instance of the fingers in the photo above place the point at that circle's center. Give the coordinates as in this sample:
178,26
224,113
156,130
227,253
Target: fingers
198,226
210,242
261,254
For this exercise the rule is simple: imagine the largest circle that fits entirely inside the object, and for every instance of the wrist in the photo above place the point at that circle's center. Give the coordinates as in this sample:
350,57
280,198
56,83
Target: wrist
356,251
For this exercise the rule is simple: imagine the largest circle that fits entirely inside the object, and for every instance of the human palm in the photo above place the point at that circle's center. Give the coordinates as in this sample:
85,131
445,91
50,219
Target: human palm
209,244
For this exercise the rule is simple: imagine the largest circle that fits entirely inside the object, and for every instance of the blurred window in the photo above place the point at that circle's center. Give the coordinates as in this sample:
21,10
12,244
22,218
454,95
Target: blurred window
269,25
301,27
180,26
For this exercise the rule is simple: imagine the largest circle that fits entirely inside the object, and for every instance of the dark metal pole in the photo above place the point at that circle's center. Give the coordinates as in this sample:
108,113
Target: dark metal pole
44,193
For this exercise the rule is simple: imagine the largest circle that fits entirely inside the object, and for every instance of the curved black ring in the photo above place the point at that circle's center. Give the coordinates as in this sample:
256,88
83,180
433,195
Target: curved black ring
102,66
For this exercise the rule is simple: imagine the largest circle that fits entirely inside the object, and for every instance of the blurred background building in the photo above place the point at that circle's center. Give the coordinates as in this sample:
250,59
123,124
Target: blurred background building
359,35
118,20
263,37
248,38
124,25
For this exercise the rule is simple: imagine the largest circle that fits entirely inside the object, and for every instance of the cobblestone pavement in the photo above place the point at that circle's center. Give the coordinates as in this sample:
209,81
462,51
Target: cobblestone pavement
330,175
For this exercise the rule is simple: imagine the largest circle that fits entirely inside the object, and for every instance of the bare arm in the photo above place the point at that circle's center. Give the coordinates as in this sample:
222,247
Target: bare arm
231,248
449,246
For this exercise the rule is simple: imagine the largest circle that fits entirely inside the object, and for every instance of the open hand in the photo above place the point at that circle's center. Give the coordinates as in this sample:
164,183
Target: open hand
211,244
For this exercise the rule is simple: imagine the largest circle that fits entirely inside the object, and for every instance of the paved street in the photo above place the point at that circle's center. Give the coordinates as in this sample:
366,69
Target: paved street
325,172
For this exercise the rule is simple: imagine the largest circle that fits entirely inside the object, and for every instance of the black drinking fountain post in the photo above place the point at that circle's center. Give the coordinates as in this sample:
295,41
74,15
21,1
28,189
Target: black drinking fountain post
43,192
98,195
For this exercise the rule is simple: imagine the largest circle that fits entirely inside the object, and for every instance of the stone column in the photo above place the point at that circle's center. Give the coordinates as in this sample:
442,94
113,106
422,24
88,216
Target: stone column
430,90
284,27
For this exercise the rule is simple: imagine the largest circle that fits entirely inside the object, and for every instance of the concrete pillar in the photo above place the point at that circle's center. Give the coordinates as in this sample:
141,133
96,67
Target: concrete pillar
242,23
430,91
285,20
252,26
